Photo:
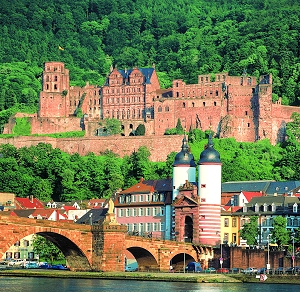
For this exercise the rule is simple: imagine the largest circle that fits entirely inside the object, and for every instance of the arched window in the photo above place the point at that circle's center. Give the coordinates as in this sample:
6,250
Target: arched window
159,109
128,114
167,109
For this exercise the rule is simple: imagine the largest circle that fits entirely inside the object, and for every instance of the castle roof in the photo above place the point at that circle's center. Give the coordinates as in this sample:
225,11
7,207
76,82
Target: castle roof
147,72
209,154
184,157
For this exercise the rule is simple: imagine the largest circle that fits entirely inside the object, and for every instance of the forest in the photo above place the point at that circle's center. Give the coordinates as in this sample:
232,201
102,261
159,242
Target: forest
48,173
182,38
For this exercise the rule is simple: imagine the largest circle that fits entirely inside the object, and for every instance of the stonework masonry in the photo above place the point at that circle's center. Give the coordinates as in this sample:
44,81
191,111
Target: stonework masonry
231,106
159,146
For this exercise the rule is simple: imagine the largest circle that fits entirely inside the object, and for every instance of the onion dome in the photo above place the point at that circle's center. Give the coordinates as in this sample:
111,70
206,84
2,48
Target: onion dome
209,154
184,157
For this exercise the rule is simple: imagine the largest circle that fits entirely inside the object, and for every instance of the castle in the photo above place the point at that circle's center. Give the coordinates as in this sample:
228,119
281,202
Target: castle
231,106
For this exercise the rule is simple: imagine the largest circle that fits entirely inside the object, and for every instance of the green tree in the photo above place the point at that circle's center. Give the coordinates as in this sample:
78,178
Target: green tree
280,234
111,126
179,128
140,130
46,249
250,231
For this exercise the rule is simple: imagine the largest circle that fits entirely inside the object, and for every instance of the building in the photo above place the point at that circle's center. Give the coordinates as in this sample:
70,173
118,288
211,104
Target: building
231,106
146,208
197,207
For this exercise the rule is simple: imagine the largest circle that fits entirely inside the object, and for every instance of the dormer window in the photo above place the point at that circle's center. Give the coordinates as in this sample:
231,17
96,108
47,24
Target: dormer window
295,208
273,207
265,207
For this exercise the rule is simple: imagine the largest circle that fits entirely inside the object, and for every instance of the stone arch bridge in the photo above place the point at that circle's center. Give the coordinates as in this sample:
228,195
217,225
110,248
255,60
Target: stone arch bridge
102,247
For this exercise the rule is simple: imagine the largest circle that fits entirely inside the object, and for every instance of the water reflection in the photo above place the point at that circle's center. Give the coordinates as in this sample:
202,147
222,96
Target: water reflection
29,284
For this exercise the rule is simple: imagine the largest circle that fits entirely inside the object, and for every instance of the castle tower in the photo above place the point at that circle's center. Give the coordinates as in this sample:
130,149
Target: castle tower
209,192
54,99
184,168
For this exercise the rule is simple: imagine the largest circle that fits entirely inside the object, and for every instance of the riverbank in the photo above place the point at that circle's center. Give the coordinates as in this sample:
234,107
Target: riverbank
147,276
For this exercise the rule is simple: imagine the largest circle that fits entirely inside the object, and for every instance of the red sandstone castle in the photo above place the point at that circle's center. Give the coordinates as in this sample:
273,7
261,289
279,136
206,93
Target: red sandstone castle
232,106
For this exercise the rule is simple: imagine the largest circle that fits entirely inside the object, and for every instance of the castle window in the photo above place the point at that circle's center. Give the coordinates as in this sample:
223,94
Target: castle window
203,103
47,86
118,114
107,100
183,105
139,90
177,94
112,114
167,109
55,78
241,80
123,114
139,113
95,102
253,90
246,113
248,125
206,79
193,104
133,113
55,86
224,77
176,84
201,79
159,109
217,92
249,81
215,103
47,78
128,114
123,99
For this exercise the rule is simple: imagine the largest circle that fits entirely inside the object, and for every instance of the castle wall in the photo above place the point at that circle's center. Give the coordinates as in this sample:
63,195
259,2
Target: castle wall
159,146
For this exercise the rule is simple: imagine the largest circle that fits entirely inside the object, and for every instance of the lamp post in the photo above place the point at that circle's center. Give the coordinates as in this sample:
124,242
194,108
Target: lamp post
221,258
268,263
293,256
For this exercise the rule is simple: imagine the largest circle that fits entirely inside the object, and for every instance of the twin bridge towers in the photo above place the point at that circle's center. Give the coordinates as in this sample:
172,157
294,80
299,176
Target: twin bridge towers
102,247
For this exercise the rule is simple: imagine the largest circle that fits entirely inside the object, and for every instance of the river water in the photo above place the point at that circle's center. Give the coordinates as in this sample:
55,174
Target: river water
33,284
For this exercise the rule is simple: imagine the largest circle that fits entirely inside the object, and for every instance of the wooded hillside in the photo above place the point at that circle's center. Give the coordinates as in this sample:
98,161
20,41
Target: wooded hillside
183,38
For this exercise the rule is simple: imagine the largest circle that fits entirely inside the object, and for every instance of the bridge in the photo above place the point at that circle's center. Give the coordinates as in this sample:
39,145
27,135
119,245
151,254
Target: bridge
102,247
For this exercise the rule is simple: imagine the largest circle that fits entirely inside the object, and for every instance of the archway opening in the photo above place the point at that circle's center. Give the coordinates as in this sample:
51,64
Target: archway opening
145,260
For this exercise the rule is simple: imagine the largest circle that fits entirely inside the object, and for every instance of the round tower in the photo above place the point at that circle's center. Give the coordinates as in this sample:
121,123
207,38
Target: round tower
209,192
184,168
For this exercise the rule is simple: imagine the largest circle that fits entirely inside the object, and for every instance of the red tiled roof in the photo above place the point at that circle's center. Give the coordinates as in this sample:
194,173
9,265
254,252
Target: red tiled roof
250,195
26,203
149,186
68,208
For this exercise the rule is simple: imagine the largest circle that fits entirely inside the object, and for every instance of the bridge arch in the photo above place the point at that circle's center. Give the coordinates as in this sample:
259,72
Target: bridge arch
145,259
75,241
75,257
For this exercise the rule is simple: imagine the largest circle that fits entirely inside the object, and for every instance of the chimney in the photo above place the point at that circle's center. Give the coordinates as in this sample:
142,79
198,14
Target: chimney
31,198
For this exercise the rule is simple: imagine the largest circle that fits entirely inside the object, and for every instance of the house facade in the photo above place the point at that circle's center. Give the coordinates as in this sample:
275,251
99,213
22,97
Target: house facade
146,208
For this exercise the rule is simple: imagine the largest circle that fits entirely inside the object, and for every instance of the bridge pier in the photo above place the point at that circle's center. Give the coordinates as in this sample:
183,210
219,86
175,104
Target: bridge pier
109,246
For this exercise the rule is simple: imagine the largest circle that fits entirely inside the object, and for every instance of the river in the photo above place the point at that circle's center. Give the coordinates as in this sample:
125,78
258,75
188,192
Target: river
30,284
